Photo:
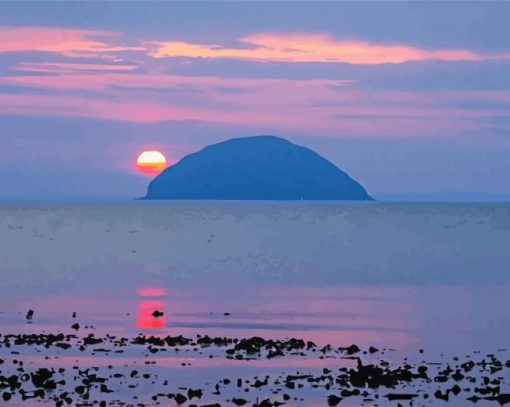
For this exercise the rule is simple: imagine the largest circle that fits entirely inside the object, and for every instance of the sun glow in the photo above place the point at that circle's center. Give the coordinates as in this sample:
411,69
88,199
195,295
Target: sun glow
151,162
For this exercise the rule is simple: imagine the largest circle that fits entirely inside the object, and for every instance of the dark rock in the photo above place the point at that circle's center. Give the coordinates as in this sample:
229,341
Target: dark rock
261,168
333,400
442,396
91,340
395,396
502,399
195,393
350,393
351,350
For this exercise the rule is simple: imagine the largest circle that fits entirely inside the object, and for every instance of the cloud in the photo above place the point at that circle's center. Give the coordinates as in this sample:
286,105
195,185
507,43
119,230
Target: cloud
362,97
66,67
65,41
302,48
361,116
391,84
139,111
294,48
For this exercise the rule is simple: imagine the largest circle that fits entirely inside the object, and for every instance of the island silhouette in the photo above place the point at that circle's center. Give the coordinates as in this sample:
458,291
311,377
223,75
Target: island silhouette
255,168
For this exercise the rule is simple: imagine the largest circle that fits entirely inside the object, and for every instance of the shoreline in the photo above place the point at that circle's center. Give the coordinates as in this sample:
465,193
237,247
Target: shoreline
338,374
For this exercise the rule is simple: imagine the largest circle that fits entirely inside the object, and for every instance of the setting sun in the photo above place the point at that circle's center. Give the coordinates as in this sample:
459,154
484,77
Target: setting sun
151,162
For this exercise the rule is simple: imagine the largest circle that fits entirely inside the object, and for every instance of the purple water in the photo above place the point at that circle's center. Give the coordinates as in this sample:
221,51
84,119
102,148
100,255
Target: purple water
242,271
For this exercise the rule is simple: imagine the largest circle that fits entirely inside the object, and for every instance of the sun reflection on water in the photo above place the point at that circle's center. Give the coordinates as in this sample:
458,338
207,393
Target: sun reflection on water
151,312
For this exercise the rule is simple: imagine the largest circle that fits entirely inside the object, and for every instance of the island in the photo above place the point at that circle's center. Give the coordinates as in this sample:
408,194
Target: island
255,168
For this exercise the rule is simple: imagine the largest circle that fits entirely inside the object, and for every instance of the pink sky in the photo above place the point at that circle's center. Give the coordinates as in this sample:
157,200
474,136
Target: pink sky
322,105
352,84
305,47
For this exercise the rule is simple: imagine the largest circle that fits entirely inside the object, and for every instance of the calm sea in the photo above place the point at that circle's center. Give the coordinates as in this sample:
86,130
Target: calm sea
404,277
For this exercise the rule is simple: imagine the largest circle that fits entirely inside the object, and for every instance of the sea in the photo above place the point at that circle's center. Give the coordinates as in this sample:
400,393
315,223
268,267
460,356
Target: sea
419,282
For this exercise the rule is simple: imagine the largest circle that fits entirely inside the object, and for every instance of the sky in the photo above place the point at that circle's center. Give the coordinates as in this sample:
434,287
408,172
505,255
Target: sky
409,98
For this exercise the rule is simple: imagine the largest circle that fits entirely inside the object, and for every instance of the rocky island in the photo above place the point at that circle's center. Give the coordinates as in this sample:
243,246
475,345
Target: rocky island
255,168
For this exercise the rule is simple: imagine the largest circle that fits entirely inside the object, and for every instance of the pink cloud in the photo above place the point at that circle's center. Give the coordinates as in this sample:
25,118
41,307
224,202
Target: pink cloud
312,48
143,111
327,107
362,119
48,67
65,41
297,47
156,81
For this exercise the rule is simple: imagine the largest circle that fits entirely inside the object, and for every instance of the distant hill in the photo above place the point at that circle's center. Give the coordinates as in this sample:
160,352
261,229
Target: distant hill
258,168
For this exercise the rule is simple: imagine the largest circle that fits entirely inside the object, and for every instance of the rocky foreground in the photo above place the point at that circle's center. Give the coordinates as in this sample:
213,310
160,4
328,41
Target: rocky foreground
363,376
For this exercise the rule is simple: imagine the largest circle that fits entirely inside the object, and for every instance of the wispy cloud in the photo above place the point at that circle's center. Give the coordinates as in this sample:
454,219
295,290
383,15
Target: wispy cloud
269,47
420,93
65,67
138,87
272,105
313,48
64,41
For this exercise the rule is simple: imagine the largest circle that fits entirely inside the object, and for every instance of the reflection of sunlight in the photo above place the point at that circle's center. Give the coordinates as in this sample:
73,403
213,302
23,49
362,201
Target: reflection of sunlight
151,292
146,307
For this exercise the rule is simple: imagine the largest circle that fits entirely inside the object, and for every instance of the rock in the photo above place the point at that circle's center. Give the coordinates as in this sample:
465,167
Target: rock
333,400
351,350
157,314
180,399
195,393
395,396
260,168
